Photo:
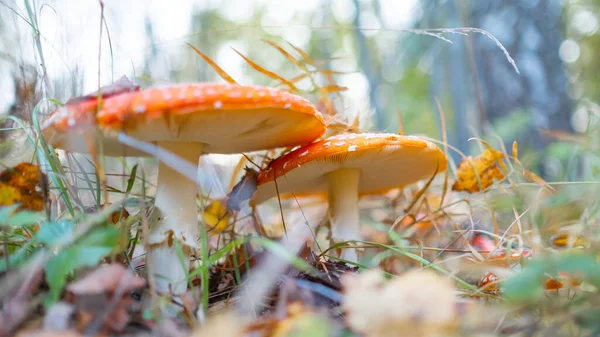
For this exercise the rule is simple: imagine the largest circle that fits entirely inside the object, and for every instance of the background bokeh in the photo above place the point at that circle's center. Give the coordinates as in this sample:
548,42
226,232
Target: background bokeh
389,65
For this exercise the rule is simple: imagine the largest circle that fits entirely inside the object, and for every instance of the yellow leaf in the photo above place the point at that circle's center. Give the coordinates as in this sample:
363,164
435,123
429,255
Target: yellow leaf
534,178
267,72
487,167
216,217
224,75
567,241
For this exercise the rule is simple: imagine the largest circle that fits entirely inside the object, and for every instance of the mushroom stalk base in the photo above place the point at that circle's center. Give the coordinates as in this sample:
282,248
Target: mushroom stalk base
175,220
343,209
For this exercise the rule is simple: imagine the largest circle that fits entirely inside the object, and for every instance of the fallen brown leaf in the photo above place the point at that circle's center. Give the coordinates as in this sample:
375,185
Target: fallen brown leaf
107,278
17,306
102,298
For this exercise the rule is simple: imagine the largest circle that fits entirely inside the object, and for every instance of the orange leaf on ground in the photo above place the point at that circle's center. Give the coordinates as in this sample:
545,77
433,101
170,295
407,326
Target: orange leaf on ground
487,166
24,184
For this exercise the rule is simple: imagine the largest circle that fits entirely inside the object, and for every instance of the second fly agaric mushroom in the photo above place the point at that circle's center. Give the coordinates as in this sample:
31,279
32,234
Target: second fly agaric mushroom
187,120
345,166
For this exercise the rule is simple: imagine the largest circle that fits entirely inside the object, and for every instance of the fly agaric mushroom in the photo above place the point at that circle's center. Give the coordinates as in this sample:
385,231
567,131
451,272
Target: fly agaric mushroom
188,120
345,166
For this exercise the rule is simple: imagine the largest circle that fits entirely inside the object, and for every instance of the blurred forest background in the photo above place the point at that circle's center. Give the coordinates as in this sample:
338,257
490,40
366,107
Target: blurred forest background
386,68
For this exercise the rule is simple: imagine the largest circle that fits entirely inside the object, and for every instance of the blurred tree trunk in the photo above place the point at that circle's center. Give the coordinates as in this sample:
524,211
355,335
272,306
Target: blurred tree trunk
531,31
450,83
366,66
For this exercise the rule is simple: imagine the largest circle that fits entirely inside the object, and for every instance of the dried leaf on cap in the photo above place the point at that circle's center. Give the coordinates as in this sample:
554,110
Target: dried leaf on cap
120,86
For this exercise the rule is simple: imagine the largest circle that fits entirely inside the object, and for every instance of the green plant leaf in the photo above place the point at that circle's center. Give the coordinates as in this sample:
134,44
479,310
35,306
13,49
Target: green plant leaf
8,217
24,218
5,212
55,232
86,252
528,285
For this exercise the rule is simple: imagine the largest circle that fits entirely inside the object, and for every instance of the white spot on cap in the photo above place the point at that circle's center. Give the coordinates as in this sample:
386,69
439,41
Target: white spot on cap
167,96
287,105
140,109
63,113
262,94
304,153
328,144
352,148
339,143
285,164
210,91
218,104
249,95
197,93
71,121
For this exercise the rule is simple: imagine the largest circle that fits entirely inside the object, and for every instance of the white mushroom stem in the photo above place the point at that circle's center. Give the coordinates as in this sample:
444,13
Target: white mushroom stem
175,220
343,208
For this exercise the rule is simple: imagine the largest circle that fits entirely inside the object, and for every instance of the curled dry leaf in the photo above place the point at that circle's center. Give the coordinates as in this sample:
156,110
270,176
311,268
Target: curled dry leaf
419,303
487,166
24,184
243,190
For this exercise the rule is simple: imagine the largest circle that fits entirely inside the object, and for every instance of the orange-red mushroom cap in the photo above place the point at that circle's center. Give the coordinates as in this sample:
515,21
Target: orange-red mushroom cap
226,118
385,161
